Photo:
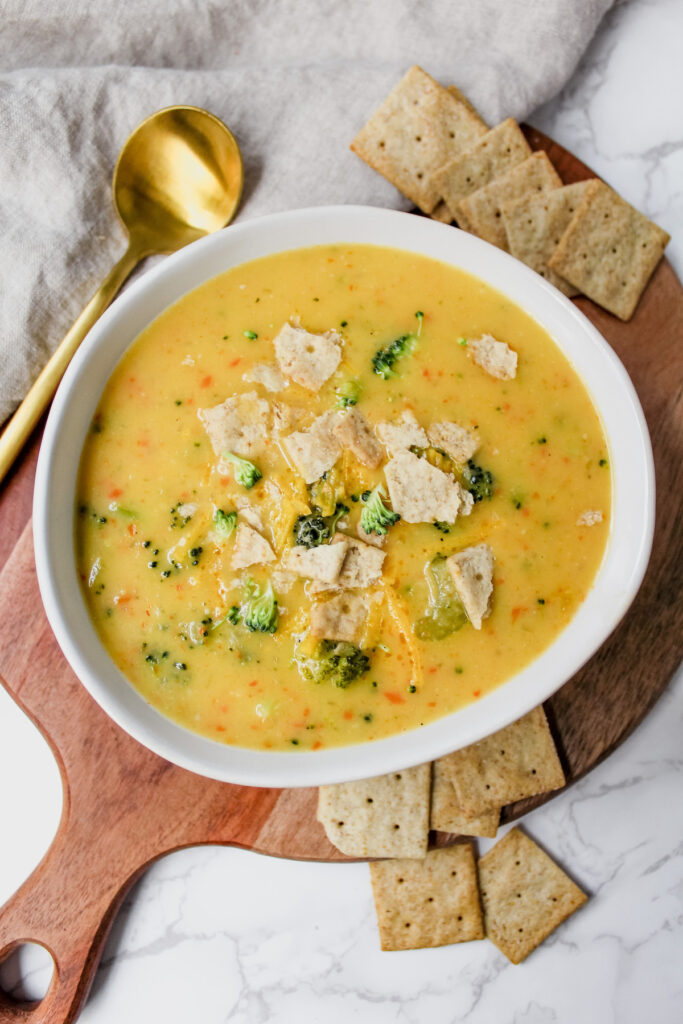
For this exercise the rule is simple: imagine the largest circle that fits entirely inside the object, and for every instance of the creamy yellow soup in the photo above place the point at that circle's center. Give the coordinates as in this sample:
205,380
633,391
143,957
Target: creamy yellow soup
157,575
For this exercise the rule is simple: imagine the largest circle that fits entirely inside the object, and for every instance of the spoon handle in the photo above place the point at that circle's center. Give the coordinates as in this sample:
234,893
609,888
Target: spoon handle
38,398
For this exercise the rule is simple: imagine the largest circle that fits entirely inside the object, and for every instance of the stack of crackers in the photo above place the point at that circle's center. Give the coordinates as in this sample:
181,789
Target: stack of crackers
515,895
434,147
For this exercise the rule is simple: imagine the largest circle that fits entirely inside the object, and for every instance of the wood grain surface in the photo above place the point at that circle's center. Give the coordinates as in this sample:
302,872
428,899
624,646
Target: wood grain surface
124,807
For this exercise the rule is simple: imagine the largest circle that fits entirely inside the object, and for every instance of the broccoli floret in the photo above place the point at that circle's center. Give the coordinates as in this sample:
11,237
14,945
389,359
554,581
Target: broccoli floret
246,473
260,609
347,394
478,481
376,517
315,529
335,662
384,361
311,530
225,522
233,615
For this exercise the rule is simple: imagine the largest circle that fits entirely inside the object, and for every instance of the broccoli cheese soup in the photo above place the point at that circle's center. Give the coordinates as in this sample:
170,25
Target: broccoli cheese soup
335,494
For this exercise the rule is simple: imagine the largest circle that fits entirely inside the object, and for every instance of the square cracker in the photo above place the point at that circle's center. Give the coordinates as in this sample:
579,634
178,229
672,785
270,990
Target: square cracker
518,761
431,902
447,815
491,156
535,224
386,816
609,250
525,895
418,127
480,213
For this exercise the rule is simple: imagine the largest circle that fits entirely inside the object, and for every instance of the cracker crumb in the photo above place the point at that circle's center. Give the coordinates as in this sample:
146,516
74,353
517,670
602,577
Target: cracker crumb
496,357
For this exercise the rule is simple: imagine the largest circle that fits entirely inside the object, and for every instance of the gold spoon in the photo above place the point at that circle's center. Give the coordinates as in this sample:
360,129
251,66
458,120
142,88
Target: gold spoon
178,177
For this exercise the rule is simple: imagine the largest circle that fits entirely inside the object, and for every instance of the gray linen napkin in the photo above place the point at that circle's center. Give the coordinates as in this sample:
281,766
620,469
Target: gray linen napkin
294,79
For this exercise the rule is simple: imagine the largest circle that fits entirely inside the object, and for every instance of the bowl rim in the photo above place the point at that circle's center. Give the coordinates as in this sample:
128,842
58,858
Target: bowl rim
614,588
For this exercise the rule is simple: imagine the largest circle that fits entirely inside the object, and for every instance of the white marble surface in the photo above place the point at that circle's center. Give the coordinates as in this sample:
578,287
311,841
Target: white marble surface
217,935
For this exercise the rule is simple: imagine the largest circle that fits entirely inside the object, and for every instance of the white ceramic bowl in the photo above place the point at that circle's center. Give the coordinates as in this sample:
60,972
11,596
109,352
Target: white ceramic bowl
615,586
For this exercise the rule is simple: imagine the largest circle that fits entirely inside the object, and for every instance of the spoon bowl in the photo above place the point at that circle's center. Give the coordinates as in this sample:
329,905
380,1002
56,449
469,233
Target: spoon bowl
178,177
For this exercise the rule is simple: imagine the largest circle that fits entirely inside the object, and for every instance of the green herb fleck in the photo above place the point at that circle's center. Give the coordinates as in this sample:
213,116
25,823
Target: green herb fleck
252,335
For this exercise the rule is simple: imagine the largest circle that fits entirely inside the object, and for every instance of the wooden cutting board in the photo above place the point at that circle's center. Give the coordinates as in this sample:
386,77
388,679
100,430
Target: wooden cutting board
124,807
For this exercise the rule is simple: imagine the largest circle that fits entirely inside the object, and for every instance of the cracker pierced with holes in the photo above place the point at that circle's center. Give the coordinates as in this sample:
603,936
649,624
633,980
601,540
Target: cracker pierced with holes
525,895
448,816
387,816
322,563
401,434
340,618
238,425
315,450
421,493
362,566
430,902
309,359
535,224
609,250
418,128
472,572
353,431
268,375
481,212
490,157
496,357
250,548
518,761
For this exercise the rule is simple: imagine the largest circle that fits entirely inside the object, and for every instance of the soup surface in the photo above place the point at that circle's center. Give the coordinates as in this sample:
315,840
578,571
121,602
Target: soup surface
183,553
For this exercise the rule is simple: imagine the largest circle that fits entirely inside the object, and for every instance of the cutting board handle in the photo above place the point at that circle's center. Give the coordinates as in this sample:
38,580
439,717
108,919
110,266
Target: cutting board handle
67,905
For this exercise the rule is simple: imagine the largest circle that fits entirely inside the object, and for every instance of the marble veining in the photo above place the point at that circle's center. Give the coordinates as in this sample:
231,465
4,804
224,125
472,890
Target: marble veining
218,935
